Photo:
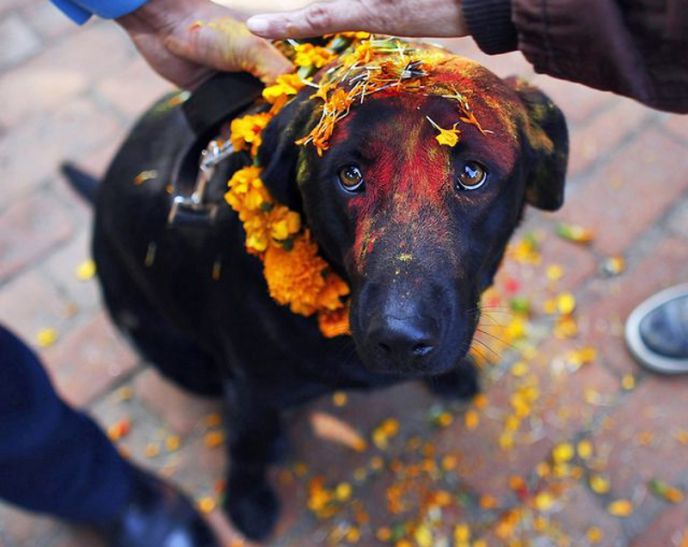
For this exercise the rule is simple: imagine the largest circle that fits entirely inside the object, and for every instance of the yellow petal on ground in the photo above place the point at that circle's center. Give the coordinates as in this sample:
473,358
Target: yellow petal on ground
444,419
376,463
562,453
471,419
614,265
543,469
119,430
86,270
565,327
549,306
423,536
353,535
515,329
462,533
512,423
594,534
584,449
390,427
206,505
151,450
554,272
172,443
517,482
620,508
526,251
582,356
333,429
46,337
519,369
681,436
599,484
449,462
591,396
480,401
384,534
566,303
561,470
575,234
213,439
343,491
487,502
506,441
387,429
665,491
628,382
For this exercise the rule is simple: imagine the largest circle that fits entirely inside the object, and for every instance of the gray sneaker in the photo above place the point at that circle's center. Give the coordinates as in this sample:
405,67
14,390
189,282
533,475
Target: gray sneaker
657,331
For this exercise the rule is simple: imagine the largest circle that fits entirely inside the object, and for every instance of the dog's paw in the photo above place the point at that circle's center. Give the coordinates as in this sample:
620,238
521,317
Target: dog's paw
254,511
461,383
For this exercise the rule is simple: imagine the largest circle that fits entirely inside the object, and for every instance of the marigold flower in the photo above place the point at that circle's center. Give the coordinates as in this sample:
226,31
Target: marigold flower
295,277
334,323
247,131
362,54
284,223
285,85
308,55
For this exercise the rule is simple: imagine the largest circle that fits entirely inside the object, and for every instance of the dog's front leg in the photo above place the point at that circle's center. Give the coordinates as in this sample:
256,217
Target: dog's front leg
256,440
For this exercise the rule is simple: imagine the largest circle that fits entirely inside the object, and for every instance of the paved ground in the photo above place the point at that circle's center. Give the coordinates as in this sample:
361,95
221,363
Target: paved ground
571,444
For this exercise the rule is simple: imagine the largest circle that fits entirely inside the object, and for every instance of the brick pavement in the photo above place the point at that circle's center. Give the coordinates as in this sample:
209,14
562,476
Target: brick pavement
73,94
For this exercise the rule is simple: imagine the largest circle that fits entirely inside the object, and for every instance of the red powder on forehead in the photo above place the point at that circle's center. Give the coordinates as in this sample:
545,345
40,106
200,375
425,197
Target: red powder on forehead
409,175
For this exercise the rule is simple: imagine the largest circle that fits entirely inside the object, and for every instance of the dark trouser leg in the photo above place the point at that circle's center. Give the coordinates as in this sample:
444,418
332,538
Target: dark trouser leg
52,459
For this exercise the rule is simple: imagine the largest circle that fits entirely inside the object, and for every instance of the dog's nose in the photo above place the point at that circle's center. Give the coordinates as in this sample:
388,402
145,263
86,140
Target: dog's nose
404,341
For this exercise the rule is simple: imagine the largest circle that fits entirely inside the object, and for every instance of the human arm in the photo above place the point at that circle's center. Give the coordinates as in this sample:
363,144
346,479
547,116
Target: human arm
638,48
185,41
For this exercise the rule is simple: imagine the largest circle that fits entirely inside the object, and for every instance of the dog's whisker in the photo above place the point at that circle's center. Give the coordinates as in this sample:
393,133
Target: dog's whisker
509,345
477,350
488,348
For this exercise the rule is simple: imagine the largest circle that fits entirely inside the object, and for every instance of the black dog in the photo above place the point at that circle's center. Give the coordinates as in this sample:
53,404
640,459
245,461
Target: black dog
418,237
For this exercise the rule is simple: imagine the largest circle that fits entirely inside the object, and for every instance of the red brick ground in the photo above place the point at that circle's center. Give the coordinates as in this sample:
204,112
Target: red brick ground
63,97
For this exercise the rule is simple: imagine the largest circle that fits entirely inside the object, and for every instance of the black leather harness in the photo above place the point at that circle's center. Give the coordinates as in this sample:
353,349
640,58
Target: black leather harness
215,103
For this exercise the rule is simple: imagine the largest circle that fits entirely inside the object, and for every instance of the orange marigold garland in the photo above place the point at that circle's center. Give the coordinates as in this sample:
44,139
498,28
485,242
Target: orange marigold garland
295,273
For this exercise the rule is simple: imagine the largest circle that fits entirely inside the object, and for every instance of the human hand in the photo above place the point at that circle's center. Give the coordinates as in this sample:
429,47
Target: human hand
397,17
186,40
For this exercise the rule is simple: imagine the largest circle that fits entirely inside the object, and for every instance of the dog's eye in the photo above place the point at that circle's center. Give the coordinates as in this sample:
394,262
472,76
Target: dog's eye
472,176
351,178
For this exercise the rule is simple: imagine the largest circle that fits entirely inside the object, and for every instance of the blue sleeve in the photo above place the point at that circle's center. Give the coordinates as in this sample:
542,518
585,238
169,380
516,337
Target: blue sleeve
80,11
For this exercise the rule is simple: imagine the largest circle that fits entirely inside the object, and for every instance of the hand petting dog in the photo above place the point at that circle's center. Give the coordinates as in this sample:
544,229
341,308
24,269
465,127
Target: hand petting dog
186,41
411,18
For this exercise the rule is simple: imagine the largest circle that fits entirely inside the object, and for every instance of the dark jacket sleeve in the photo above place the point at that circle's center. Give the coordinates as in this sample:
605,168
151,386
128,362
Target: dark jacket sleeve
636,48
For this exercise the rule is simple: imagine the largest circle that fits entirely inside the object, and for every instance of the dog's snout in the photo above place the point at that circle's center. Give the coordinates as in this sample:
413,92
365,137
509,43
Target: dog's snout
405,342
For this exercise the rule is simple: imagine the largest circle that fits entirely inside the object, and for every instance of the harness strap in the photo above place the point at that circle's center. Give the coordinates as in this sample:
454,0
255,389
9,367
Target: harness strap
217,101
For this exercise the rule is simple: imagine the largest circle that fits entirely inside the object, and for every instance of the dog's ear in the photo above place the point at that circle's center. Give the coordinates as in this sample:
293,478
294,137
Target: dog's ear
279,154
547,138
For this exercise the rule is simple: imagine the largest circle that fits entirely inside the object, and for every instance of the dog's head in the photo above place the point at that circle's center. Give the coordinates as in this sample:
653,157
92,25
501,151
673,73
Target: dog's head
419,228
